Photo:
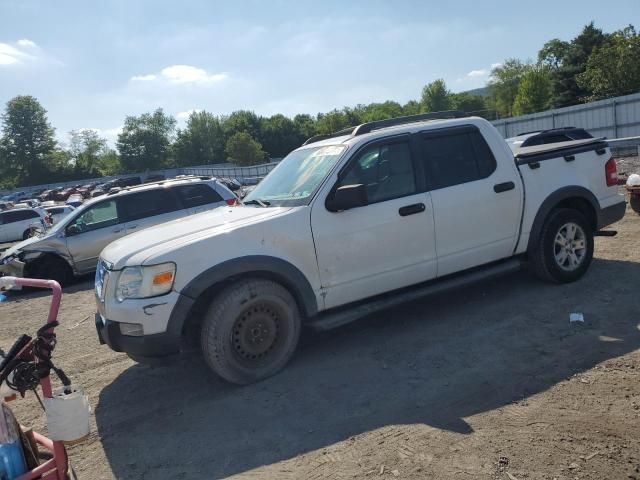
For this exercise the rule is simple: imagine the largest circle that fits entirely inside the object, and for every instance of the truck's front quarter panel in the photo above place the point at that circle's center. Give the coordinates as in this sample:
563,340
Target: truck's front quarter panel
285,237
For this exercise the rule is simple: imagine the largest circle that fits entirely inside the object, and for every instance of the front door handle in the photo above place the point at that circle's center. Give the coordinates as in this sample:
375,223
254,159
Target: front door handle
411,209
132,226
504,187
117,230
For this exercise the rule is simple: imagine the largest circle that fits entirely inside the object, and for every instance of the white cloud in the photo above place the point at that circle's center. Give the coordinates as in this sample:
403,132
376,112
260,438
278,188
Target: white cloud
189,74
496,65
143,78
477,73
25,42
186,114
183,74
22,52
10,55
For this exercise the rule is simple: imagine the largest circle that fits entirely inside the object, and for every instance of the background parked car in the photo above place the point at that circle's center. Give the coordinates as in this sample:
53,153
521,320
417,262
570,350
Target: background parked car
58,212
72,246
544,137
154,178
16,224
75,200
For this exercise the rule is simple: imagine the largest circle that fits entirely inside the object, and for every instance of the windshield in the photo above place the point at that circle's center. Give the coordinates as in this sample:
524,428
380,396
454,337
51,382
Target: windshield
296,177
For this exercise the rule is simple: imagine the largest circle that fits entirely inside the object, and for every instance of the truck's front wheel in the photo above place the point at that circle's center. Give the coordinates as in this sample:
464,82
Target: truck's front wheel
250,330
565,248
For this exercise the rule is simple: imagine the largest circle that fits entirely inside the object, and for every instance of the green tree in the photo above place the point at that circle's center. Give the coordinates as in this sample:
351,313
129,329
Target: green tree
553,53
145,141
27,141
412,107
503,85
468,103
242,121
613,68
85,148
333,121
202,141
280,135
243,150
534,91
435,97
305,126
109,162
571,62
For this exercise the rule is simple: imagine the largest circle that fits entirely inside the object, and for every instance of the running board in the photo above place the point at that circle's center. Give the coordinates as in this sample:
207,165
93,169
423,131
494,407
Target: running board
333,319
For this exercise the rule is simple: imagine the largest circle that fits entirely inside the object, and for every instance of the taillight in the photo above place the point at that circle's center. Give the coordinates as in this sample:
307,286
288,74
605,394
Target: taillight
611,172
232,201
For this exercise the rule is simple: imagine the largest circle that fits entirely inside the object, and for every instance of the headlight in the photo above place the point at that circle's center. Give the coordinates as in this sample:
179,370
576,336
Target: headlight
145,282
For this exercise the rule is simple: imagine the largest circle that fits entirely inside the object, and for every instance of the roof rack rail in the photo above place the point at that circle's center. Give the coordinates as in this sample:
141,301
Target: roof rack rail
391,122
114,190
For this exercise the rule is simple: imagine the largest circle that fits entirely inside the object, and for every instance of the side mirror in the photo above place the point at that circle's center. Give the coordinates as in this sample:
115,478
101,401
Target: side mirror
73,230
347,197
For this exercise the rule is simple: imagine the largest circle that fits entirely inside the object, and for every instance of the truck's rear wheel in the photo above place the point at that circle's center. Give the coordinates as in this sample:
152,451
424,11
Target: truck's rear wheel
250,330
565,248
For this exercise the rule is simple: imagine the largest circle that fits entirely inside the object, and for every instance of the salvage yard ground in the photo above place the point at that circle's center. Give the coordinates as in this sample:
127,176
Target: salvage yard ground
492,382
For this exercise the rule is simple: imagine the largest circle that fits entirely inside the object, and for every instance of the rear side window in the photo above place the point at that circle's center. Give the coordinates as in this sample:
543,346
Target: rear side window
196,195
147,204
456,156
55,211
19,215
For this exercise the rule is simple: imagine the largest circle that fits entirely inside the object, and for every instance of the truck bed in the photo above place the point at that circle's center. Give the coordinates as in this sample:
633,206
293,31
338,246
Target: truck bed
537,153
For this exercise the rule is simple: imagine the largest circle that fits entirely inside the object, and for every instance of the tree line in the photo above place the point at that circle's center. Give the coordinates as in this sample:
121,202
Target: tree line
593,65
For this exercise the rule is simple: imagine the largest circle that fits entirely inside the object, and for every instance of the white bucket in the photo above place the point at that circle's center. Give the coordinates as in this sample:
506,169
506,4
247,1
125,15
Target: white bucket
68,414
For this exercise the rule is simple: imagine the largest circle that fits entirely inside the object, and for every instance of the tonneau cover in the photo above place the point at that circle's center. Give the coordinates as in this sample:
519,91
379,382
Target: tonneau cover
524,152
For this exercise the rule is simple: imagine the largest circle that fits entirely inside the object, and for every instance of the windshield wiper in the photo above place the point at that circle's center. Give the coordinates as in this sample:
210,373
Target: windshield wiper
257,201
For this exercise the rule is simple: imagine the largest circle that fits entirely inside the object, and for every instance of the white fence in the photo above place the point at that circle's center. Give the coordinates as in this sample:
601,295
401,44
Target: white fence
612,118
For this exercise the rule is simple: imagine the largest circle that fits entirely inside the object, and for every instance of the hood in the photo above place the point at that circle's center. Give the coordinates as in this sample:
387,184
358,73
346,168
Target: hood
185,230
20,246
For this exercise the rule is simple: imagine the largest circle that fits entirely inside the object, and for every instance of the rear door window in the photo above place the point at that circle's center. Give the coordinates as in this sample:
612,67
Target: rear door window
147,204
455,156
196,195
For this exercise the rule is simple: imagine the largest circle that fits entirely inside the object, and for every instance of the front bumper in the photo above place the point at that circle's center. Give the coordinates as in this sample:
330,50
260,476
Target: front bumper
13,268
140,348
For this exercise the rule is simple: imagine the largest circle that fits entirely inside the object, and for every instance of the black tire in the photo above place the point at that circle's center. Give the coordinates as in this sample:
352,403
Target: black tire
634,201
26,234
250,330
53,268
546,258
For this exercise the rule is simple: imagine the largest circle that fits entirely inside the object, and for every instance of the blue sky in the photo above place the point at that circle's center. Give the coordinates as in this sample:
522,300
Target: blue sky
92,63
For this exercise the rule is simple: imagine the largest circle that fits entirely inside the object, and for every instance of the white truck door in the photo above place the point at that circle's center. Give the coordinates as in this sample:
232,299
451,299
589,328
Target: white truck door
385,245
476,200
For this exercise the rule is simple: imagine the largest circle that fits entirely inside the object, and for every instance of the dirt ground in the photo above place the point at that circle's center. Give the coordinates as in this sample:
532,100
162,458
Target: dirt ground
492,382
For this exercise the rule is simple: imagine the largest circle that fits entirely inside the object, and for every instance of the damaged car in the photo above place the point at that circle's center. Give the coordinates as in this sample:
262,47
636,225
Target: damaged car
71,247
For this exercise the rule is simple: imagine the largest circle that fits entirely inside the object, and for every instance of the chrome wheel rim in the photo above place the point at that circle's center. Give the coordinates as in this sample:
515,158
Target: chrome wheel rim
570,247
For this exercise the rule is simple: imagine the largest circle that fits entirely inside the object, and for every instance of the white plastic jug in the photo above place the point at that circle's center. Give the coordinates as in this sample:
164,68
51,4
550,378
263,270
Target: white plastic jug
68,414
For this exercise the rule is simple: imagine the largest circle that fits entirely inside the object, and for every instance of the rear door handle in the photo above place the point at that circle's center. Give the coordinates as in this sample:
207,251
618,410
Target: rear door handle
503,187
132,226
117,230
411,209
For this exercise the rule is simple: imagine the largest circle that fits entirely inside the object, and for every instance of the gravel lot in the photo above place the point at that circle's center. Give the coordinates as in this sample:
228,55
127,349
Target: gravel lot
490,383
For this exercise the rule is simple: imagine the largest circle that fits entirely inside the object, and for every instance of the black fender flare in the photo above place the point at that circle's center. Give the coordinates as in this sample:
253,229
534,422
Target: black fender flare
262,265
552,201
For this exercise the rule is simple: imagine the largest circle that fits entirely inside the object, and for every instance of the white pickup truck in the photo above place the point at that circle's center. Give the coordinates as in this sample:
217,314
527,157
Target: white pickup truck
350,223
